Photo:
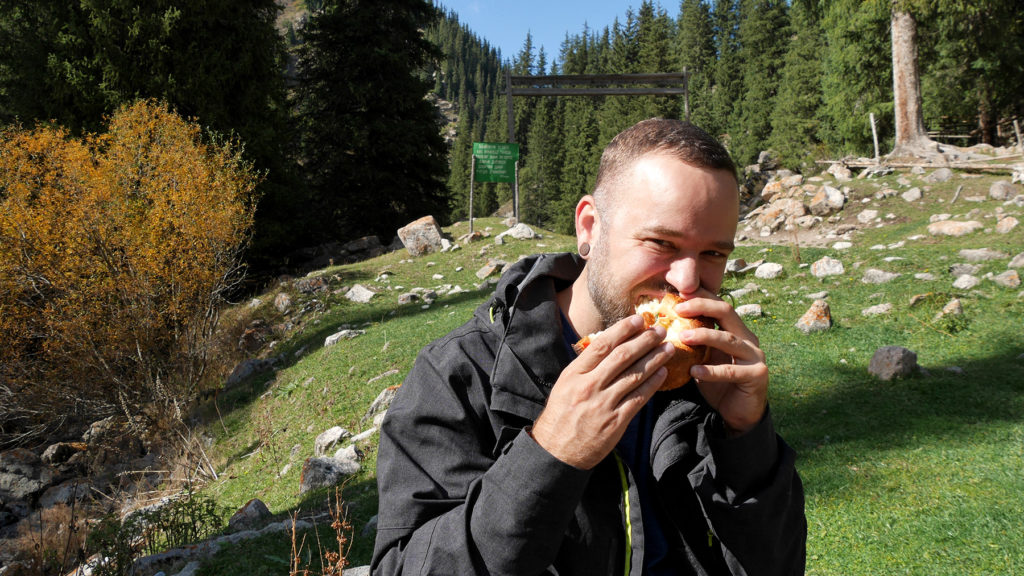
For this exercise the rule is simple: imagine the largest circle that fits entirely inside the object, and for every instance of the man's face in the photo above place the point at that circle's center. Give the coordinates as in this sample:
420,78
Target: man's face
670,228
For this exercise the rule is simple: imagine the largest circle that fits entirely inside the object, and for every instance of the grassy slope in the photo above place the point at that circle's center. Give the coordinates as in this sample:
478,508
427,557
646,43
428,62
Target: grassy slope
919,476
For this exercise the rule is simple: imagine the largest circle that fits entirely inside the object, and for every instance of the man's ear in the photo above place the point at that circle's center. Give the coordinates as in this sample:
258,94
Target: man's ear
586,221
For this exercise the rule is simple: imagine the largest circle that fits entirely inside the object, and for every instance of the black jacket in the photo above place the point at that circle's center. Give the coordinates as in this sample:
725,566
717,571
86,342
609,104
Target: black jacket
463,490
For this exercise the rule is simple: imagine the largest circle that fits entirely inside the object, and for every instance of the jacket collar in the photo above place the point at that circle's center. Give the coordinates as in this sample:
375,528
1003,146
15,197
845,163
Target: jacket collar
532,353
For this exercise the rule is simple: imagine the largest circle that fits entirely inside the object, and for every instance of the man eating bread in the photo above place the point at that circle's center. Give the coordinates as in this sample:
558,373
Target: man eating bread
506,451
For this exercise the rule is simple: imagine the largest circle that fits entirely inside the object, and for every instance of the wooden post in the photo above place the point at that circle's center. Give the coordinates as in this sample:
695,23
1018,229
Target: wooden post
515,195
874,134
1016,128
509,107
472,177
686,93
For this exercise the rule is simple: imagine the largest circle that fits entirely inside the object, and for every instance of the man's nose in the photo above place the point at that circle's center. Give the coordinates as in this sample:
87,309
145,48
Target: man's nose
684,276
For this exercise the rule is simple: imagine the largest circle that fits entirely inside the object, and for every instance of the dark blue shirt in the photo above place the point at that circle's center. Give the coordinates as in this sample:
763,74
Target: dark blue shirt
635,451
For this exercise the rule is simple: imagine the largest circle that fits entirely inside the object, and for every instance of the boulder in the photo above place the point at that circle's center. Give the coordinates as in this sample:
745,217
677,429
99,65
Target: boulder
421,236
329,439
250,516
954,227
360,294
827,267
324,472
817,318
890,362
1002,190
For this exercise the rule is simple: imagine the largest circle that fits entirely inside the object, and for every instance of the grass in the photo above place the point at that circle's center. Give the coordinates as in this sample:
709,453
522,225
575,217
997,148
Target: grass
913,476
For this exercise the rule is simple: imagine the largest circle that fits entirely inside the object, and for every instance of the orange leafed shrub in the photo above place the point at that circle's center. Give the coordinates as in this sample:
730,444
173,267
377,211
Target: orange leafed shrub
115,253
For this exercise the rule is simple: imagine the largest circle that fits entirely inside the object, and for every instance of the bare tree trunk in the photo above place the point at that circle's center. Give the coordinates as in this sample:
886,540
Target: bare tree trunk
911,138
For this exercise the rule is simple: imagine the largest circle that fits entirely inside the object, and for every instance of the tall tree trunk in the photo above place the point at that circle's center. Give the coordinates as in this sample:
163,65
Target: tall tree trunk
911,137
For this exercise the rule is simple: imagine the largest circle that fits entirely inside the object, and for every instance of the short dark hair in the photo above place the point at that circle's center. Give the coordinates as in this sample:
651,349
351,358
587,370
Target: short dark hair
682,140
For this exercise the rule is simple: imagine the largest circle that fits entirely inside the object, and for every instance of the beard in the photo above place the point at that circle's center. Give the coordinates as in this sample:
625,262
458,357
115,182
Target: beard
613,300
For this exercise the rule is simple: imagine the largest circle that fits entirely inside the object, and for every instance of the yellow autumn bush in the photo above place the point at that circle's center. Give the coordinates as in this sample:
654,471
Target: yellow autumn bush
116,251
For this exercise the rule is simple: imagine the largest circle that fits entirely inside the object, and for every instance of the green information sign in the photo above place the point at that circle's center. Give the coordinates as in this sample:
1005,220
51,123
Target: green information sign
495,161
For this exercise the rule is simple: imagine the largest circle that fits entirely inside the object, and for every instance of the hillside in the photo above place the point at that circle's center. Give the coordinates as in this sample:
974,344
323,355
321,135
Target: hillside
856,435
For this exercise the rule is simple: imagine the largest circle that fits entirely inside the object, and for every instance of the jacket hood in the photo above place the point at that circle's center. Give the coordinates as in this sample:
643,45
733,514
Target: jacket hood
524,314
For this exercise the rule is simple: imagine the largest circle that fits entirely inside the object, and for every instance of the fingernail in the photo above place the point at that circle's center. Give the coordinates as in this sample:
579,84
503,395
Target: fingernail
660,330
698,371
686,334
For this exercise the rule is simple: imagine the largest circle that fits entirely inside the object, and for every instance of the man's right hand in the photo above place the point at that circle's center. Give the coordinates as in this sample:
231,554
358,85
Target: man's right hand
600,392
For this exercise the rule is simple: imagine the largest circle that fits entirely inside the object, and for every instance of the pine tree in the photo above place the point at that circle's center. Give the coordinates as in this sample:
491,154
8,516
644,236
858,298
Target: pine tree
727,85
796,117
763,35
695,50
371,141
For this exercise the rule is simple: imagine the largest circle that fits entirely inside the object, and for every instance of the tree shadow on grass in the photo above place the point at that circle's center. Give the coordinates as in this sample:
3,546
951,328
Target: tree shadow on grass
928,407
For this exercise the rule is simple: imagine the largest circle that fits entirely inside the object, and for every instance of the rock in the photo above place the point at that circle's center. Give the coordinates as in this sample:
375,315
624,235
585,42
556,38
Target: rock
1006,224
1008,279
520,232
952,308
768,270
342,335
827,267
867,216
954,227
249,517
59,453
877,310
981,254
283,302
74,490
961,269
817,318
840,172
311,285
491,268
749,311
328,439
408,298
891,362
912,195
940,175
735,265
246,369
875,276
1017,261
324,473
360,294
842,245
826,201
23,477
381,403
1002,190
421,236
966,282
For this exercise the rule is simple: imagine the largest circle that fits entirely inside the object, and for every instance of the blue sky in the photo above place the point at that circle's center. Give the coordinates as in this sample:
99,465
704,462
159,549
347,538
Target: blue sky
504,23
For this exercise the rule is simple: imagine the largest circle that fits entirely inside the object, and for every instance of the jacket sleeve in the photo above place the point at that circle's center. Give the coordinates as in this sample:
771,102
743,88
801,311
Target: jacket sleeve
746,488
451,502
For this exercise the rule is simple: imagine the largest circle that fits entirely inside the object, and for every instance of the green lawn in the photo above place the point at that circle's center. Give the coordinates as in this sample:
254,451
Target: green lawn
914,476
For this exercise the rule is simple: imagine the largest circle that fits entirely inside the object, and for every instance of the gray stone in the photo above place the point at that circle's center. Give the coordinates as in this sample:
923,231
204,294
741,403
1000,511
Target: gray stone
246,369
940,175
342,335
1002,190
768,270
1017,261
875,276
954,227
328,439
520,232
324,472
250,516
891,362
817,318
981,254
827,267
877,310
360,294
749,311
966,282
867,216
421,236
283,302
1005,225
912,195
1008,279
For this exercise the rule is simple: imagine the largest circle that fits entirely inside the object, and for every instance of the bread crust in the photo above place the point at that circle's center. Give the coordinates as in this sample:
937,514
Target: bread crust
655,312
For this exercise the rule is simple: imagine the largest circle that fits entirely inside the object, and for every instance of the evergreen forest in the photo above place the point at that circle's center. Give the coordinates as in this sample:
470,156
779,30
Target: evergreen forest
337,103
